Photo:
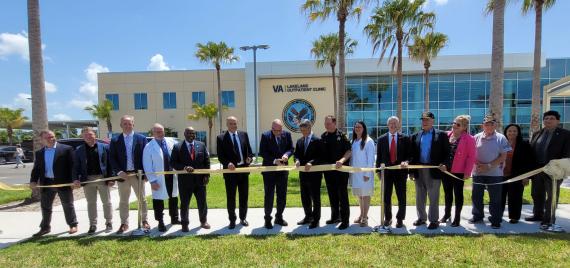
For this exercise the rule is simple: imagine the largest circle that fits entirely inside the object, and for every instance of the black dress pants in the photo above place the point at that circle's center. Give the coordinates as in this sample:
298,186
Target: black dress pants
453,187
189,185
395,179
275,182
337,183
310,183
237,182
47,195
158,204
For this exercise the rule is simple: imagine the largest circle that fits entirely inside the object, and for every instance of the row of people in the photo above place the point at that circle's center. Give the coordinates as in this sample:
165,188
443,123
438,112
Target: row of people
488,157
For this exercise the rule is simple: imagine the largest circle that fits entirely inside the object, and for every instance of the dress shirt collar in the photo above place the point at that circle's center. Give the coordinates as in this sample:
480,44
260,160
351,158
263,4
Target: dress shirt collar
189,143
128,134
52,148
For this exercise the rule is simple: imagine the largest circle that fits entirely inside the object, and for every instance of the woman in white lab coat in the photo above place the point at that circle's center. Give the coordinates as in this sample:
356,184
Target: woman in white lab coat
363,151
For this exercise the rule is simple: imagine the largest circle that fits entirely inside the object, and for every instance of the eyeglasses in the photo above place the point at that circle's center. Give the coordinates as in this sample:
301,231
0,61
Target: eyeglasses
456,124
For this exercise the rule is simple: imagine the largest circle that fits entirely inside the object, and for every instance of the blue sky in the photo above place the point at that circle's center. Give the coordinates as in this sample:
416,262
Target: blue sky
82,38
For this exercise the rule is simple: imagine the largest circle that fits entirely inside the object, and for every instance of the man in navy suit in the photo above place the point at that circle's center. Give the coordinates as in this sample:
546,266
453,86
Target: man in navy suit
234,151
307,153
54,165
126,158
276,147
188,155
92,163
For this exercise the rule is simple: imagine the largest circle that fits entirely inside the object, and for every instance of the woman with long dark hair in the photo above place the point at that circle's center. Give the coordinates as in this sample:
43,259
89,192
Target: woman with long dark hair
363,151
520,160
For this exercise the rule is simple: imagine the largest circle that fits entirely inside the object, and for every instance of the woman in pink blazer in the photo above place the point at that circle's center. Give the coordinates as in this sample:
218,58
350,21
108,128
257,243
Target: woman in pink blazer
462,155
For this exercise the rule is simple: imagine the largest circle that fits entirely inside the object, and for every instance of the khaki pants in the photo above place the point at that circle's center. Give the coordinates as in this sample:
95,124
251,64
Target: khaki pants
90,191
125,193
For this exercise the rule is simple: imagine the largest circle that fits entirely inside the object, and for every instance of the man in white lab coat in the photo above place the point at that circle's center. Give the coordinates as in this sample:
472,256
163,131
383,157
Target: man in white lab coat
156,158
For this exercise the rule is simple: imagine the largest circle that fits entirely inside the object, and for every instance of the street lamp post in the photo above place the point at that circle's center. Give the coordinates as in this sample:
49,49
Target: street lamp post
254,48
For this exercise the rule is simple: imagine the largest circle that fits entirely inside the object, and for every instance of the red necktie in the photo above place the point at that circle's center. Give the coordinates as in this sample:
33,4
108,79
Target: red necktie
393,156
192,152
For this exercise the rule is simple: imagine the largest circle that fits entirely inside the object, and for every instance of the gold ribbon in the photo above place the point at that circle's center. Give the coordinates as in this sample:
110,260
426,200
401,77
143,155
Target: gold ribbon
7,187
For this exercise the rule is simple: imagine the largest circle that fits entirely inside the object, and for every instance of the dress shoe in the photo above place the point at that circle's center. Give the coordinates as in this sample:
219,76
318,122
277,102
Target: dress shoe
473,220
314,225
343,226
496,225
513,221
388,223
244,222
533,218
304,221
185,228
433,225
332,221
419,222
123,228
232,225
268,224
92,229
161,227
205,225
174,221
72,230
444,219
42,232
108,227
399,223
281,222
544,226
145,225
455,223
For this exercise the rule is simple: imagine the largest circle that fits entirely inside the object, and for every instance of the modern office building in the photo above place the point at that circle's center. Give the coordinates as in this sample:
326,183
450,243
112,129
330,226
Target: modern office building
294,90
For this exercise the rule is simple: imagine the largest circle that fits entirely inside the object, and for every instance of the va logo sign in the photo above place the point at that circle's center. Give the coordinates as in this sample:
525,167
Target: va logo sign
295,111
277,88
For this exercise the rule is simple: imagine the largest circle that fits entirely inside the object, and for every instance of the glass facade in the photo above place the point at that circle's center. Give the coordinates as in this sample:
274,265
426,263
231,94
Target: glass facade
141,102
373,98
169,100
228,98
199,97
113,98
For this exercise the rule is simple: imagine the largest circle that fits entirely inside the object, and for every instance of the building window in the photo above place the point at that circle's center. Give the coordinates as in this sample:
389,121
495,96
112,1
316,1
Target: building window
199,97
113,98
228,98
201,136
141,101
169,100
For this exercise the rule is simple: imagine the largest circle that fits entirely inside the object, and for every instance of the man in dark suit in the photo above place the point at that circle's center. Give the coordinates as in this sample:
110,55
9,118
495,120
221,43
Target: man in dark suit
394,149
92,163
188,155
276,147
429,147
307,153
126,159
54,165
235,151
552,142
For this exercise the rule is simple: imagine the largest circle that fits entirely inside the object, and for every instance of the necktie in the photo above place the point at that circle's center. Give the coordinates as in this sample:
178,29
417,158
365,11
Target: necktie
393,156
306,144
236,146
192,151
165,155
129,151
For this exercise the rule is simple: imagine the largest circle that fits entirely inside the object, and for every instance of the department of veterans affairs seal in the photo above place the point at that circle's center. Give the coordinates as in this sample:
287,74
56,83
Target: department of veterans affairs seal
295,111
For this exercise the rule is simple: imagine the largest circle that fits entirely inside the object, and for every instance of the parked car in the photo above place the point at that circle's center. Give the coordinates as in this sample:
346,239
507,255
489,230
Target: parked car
8,154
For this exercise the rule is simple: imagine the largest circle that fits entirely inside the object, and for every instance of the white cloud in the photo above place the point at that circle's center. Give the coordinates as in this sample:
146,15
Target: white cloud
61,117
14,44
23,100
80,103
50,88
89,88
440,2
157,63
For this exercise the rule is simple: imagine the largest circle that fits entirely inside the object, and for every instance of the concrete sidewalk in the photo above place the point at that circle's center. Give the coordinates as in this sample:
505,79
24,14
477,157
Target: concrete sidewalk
17,226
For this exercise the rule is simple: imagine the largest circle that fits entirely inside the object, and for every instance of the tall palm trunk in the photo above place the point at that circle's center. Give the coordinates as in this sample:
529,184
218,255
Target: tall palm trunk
335,98
210,125
497,61
399,38
341,16
219,96
535,106
427,64
39,109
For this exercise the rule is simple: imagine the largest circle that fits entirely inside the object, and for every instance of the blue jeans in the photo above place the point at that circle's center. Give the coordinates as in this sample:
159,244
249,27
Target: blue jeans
495,196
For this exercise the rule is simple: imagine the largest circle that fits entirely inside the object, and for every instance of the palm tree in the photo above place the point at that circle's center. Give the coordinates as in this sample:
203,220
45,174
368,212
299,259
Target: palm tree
102,112
216,53
497,8
39,108
538,6
342,10
10,120
325,50
208,111
424,49
390,28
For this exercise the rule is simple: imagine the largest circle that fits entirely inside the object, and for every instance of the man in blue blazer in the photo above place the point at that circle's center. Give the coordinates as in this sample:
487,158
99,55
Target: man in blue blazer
276,147
54,165
92,163
126,158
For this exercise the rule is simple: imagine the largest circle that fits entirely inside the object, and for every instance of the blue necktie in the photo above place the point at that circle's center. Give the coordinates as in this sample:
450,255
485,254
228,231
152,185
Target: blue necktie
165,155
129,151
306,144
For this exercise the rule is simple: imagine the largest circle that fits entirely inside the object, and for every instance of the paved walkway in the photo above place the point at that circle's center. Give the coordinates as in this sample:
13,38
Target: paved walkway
17,226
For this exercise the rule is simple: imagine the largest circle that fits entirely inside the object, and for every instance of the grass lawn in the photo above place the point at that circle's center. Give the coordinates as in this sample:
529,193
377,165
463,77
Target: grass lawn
538,250
11,196
216,193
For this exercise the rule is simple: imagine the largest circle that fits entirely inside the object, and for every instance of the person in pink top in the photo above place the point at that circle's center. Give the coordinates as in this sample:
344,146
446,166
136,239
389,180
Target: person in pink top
462,156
